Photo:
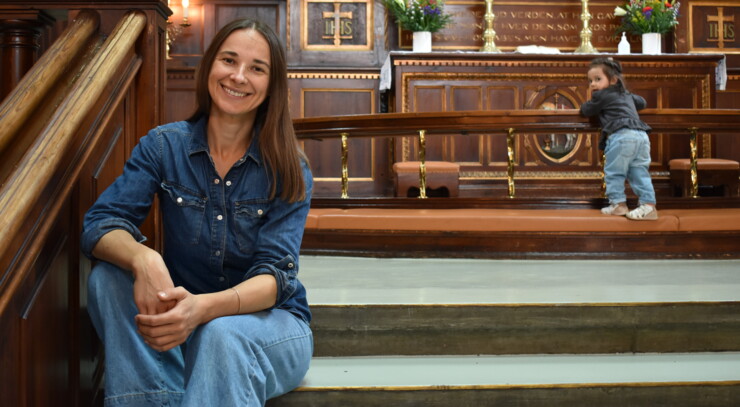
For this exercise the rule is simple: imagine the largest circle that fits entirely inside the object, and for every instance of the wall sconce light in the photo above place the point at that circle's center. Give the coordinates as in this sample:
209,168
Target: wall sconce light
174,30
185,12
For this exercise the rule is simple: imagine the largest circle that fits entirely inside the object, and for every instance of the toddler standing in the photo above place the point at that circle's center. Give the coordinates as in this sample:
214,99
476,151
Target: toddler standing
624,140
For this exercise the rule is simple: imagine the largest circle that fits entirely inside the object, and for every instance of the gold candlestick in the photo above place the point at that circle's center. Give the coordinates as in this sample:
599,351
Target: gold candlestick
586,47
489,34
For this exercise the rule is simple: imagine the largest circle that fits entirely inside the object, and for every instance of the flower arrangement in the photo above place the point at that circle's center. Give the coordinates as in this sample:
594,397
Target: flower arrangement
419,15
648,16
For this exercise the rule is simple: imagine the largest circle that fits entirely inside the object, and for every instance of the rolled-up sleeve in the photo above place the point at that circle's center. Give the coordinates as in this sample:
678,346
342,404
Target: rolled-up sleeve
279,242
125,203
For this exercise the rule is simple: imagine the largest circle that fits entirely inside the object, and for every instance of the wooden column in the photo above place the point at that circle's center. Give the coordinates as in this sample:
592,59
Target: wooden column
19,44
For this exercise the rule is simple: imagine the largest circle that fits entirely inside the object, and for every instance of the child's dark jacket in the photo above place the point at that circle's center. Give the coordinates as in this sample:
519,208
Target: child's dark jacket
617,109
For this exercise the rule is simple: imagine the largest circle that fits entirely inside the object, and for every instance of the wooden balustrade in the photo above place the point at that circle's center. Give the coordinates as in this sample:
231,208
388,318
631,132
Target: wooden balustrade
21,103
37,167
509,123
65,133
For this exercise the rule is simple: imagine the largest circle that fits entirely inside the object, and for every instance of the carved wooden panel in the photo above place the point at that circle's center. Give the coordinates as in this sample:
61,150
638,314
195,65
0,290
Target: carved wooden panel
714,26
313,94
206,17
180,100
47,362
450,82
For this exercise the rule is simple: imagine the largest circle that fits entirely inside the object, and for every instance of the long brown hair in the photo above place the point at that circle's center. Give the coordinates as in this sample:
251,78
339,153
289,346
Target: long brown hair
277,140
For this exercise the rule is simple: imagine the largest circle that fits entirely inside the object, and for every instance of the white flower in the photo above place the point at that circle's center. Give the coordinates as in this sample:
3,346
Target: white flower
619,12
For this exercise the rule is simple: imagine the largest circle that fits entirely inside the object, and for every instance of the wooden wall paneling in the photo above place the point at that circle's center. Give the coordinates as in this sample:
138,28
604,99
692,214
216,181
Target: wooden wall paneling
329,93
10,359
48,359
206,17
180,102
428,82
312,34
728,99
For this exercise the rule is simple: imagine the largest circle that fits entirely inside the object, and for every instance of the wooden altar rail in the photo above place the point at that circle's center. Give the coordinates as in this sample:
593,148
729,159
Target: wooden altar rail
64,129
511,123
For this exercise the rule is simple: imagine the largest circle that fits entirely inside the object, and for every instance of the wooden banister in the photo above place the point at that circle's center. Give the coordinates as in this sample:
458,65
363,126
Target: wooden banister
499,121
26,183
20,104
509,123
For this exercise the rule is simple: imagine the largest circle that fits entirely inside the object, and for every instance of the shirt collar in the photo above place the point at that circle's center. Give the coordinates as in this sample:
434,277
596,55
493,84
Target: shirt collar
199,143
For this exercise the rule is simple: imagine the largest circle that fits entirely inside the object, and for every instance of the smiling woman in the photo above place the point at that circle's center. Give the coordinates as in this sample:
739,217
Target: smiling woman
220,315
239,76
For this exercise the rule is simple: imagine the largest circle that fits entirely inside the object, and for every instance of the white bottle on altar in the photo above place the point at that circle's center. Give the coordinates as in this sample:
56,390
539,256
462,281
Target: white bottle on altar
624,45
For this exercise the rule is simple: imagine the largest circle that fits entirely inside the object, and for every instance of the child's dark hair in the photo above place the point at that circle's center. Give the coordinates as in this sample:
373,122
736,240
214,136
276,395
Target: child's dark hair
612,69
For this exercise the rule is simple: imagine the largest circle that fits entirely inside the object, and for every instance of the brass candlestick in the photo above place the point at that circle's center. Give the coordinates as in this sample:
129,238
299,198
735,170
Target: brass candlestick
586,47
489,34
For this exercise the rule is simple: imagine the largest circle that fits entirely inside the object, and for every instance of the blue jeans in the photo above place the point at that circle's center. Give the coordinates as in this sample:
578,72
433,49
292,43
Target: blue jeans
628,158
240,360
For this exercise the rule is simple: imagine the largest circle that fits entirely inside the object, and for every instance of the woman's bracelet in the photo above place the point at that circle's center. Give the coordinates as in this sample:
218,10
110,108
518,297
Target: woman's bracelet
239,299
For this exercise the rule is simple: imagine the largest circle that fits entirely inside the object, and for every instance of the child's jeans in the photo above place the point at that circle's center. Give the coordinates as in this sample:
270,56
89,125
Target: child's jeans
628,157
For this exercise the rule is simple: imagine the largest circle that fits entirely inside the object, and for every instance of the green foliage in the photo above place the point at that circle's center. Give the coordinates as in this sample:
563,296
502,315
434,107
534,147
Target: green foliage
419,15
648,16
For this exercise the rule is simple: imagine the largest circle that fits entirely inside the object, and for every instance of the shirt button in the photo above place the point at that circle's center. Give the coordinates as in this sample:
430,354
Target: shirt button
228,183
290,265
216,181
179,200
221,279
218,252
219,217
260,211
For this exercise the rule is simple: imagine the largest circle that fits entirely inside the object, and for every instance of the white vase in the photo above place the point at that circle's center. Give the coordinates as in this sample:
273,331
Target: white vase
422,41
651,43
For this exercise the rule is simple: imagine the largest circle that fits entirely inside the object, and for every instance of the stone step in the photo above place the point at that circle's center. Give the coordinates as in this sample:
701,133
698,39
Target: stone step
675,380
365,306
541,328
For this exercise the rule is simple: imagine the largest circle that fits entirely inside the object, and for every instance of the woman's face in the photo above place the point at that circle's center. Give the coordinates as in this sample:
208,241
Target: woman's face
597,79
240,74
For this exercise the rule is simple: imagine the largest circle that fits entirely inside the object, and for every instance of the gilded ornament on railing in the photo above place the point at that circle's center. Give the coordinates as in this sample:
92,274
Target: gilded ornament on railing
693,171
422,165
510,159
345,170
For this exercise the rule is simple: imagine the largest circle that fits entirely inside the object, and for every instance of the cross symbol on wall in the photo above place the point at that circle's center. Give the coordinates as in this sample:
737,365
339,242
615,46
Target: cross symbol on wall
336,24
720,19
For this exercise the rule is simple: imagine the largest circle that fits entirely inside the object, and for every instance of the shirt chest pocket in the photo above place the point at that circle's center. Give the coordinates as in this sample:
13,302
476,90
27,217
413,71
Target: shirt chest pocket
249,216
183,211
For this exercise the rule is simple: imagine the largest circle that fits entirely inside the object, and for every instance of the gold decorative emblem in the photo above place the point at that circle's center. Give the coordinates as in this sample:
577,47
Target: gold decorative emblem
336,25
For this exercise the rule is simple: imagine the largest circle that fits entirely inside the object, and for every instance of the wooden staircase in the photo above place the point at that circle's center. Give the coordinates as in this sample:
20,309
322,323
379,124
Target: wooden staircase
457,332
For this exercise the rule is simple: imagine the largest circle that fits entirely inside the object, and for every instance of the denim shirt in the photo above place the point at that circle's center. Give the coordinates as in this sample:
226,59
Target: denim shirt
217,232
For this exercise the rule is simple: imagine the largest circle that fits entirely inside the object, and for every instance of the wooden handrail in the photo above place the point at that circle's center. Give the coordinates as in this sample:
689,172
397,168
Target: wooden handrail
509,122
20,104
26,183
499,121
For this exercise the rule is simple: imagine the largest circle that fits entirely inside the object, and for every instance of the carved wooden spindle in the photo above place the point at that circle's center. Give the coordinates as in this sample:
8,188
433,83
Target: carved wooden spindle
345,170
693,171
422,166
19,46
510,159
603,175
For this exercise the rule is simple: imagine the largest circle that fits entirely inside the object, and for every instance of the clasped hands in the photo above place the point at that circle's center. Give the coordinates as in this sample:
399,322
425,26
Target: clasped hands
167,314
